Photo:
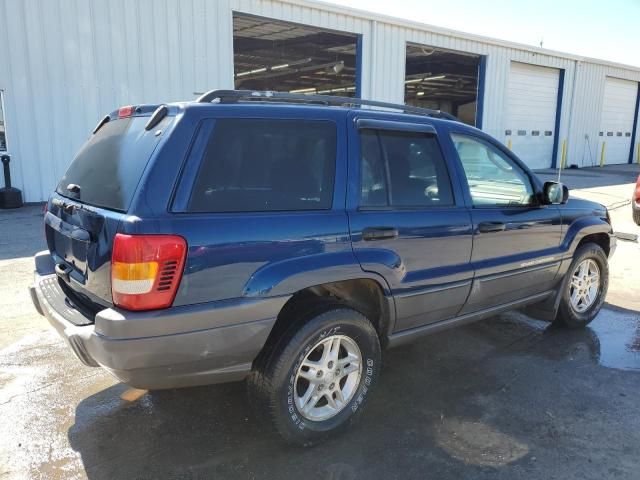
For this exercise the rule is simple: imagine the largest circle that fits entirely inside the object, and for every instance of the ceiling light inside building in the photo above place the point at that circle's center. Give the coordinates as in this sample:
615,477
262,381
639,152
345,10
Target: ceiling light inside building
425,79
251,72
304,90
280,67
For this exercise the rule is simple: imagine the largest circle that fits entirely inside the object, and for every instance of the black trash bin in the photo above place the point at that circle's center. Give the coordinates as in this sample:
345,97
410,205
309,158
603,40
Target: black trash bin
9,197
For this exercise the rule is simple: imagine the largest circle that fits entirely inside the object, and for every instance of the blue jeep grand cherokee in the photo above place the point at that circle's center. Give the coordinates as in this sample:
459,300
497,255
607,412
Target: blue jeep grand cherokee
289,239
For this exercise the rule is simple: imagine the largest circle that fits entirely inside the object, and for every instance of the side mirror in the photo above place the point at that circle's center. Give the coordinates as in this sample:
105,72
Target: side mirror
555,193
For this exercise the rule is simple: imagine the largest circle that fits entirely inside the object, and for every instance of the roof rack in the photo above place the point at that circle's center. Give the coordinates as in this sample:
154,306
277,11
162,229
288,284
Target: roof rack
235,96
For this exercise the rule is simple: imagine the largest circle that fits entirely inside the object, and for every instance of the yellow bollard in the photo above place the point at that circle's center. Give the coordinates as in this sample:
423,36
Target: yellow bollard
563,158
602,154
509,143
638,157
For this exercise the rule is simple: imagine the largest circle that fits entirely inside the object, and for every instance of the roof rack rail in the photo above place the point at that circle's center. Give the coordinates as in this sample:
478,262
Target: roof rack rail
235,96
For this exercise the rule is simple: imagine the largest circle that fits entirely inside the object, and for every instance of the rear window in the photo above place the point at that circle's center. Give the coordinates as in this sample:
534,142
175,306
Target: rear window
254,165
109,166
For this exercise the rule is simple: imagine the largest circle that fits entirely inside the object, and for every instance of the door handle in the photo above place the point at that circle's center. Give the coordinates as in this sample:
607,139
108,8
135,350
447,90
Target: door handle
486,227
379,233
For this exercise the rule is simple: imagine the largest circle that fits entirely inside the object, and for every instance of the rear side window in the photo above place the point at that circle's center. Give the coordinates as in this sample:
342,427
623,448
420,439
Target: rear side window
256,165
109,166
402,169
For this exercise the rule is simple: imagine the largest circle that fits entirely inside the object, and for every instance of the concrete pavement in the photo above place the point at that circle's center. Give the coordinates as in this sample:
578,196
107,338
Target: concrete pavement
606,185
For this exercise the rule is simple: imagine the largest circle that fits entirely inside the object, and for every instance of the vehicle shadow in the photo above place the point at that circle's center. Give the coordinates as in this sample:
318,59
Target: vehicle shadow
458,403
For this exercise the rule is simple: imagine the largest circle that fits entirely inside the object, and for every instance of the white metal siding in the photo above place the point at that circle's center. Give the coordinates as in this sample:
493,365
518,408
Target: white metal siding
71,61
618,106
532,96
584,141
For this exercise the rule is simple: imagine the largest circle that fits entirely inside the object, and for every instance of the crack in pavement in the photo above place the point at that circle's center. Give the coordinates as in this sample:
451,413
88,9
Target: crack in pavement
42,388
26,393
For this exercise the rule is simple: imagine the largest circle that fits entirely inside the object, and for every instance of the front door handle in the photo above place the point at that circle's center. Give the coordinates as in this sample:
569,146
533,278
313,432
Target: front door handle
486,227
379,233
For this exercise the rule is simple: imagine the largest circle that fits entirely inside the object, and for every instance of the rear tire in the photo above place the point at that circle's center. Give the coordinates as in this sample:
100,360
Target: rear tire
316,380
585,287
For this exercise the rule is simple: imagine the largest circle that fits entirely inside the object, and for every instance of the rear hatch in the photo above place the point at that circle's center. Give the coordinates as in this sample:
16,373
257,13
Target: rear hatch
90,200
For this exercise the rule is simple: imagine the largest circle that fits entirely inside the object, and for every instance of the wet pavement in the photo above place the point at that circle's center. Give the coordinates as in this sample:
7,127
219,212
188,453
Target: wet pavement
505,398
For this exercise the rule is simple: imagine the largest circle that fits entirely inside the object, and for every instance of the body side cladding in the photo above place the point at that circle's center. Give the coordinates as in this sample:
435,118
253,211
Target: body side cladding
406,336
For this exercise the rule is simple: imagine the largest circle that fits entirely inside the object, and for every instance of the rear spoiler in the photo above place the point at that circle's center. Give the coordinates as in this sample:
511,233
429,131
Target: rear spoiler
128,111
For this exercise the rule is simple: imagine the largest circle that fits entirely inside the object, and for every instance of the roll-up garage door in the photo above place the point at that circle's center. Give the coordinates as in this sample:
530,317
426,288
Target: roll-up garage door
531,112
617,119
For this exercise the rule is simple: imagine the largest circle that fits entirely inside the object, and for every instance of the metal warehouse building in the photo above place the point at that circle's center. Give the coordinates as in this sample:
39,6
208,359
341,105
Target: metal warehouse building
66,63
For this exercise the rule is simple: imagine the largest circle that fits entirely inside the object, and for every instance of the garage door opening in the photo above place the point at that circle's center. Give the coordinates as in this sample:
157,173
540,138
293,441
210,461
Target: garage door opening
289,57
534,102
442,79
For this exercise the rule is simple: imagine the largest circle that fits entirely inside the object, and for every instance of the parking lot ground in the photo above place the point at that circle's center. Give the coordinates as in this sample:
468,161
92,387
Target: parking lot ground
507,398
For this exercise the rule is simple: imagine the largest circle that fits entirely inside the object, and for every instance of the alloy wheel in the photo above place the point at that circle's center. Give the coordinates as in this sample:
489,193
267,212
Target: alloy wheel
328,377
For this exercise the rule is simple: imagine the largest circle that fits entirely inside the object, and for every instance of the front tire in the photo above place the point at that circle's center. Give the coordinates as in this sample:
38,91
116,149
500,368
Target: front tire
584,288
318,377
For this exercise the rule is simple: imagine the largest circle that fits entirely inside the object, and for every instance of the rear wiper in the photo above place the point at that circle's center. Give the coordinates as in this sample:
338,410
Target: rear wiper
74,188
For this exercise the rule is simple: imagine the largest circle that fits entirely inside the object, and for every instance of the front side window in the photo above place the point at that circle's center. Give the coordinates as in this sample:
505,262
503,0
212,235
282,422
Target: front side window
256,165
402,169
493,178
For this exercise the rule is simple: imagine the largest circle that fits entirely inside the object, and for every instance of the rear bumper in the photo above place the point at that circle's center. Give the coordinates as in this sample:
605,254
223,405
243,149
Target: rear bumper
182,346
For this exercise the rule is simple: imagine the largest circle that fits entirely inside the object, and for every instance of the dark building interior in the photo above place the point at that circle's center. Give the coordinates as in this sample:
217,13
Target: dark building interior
442,79
284,56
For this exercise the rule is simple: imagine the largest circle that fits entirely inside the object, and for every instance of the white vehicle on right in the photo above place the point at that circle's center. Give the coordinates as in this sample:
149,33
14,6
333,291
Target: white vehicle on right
635,203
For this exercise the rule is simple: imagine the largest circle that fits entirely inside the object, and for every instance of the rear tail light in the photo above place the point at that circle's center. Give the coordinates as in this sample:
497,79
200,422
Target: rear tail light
146,270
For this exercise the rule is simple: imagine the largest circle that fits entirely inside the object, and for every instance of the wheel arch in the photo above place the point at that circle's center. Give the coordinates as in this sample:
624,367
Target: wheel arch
588,229
601,239
365,294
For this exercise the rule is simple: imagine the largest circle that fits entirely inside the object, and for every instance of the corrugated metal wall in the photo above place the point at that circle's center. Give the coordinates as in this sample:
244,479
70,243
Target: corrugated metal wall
65,64
391,72
70,62
584,143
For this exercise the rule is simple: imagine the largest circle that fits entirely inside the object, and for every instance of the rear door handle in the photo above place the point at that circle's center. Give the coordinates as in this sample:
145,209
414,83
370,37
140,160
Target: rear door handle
379,233
486,227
